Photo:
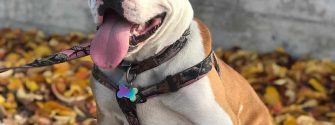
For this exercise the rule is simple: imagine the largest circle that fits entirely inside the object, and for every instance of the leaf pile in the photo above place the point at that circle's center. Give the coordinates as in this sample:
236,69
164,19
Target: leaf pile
297,91
50,95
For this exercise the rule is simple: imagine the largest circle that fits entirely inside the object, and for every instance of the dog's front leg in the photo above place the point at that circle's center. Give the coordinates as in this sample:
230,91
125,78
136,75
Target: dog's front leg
196,103
108,111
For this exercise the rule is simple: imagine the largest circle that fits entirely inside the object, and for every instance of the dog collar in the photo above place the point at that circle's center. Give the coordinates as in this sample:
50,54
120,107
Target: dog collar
166,54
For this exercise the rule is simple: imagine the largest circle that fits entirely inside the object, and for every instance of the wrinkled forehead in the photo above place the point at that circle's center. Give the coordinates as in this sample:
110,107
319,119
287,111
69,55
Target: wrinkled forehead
131,7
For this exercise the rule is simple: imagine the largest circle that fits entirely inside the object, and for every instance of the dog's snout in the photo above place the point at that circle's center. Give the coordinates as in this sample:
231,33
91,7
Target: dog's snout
115,5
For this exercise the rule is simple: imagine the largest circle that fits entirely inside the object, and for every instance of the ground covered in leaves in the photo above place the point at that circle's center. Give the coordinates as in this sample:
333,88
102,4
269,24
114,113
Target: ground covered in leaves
296,91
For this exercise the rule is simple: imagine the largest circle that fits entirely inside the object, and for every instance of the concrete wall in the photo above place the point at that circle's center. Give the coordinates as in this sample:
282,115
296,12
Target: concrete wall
300,26
50,15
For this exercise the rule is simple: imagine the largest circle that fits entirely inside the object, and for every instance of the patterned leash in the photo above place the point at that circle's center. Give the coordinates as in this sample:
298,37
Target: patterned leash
73,53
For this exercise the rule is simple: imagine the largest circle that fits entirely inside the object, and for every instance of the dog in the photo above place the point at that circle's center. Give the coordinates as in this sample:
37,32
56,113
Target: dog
218,98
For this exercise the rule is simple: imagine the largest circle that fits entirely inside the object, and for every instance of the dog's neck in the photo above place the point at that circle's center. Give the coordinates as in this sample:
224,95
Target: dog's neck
171,30
191,54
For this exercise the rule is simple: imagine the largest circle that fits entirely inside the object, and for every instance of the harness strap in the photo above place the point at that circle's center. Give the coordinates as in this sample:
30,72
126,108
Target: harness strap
175,82
103,79
129,110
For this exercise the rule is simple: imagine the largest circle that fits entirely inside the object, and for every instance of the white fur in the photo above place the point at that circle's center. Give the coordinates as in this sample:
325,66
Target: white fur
94,4
179,16
192,105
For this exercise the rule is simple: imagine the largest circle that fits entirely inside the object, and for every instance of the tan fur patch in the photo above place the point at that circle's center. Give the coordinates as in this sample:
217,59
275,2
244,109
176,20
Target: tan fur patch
233,93
220,96
206,36
214,78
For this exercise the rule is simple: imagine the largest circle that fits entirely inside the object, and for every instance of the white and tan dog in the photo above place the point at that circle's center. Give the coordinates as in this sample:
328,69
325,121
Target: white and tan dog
212,100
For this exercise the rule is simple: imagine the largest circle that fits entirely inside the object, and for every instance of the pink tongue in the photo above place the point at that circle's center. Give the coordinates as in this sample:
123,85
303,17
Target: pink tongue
111,42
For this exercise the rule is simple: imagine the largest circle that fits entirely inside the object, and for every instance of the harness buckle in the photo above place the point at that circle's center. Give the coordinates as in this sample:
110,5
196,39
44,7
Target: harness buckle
141,98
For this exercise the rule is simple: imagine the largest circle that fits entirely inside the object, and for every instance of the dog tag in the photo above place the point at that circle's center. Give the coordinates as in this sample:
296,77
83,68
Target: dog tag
127,92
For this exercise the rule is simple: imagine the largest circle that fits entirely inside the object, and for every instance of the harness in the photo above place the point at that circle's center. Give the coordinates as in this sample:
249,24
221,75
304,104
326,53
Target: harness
171,83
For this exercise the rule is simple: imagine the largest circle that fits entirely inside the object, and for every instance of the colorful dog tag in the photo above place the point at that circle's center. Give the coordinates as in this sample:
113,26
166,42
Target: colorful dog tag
125,92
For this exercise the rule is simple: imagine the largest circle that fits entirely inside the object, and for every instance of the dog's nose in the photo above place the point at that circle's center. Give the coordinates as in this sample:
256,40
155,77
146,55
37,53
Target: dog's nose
115,5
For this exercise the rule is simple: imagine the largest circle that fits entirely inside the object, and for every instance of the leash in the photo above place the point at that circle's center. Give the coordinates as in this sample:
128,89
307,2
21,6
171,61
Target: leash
73,53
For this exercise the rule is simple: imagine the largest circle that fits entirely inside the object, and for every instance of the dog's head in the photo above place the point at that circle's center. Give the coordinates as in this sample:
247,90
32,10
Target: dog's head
136,29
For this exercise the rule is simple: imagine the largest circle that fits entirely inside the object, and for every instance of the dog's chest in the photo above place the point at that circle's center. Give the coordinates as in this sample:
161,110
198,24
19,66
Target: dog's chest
152,112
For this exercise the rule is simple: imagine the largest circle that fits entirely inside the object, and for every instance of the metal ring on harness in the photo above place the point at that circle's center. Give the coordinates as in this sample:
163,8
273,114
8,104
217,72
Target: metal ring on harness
132,78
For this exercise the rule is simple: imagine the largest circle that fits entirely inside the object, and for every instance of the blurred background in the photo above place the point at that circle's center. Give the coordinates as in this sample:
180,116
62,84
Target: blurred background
299,26
284,48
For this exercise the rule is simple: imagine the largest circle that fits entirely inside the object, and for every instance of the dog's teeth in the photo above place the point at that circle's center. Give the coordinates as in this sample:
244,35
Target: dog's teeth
141,27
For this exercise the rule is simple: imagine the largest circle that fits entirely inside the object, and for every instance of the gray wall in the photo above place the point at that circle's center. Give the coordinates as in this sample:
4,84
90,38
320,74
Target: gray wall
50,15
300,26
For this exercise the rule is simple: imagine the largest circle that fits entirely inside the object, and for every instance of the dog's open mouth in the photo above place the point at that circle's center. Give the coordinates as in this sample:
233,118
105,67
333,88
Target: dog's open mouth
117,36
141,32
